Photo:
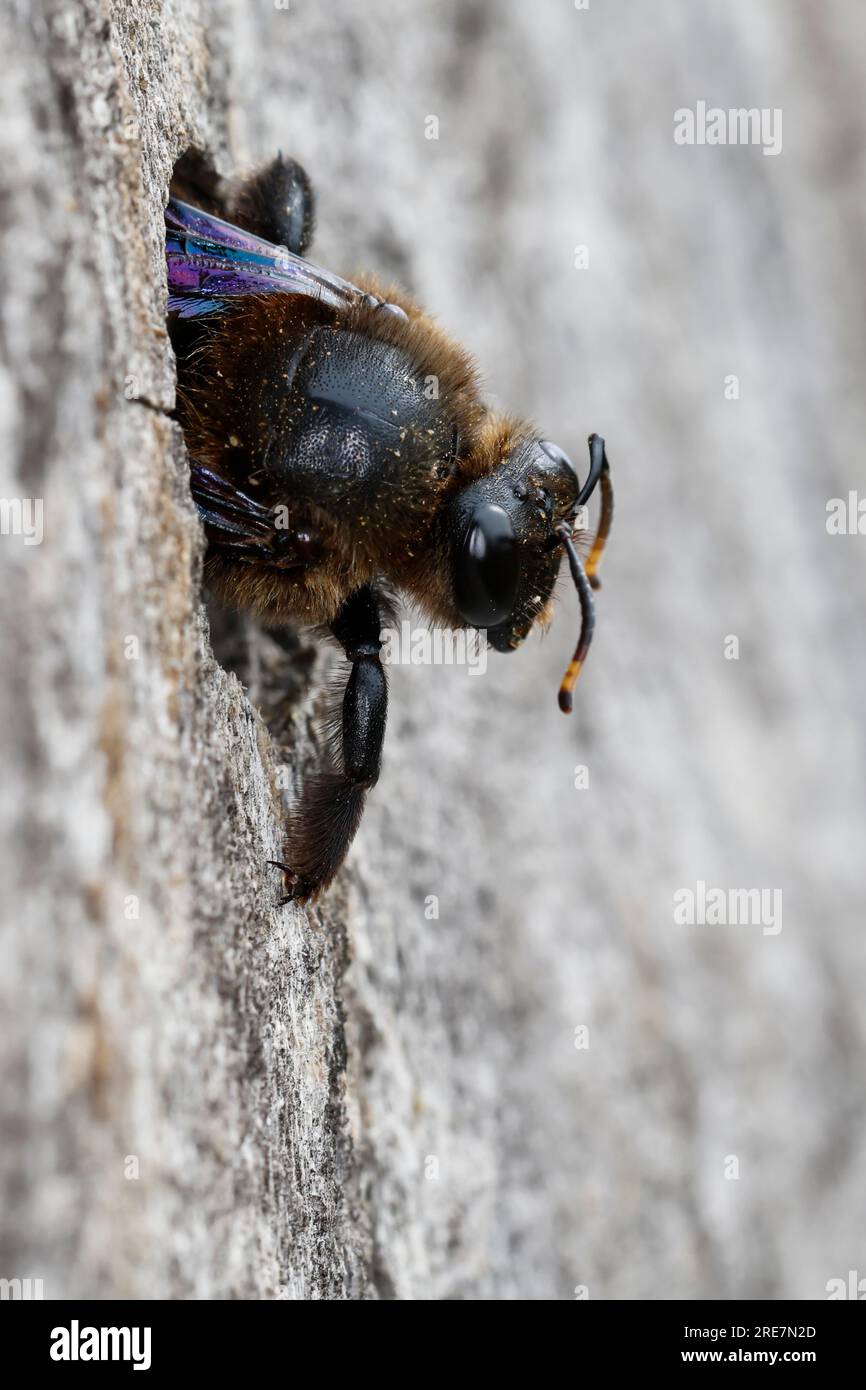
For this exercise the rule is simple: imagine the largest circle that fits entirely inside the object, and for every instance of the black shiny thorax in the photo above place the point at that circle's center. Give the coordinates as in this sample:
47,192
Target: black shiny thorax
350,415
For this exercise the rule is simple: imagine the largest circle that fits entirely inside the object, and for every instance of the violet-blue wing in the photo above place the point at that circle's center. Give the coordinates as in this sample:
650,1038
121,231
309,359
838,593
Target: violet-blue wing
210,261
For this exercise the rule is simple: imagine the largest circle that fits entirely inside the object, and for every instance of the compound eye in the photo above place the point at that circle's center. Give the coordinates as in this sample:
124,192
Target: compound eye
487,568
557,456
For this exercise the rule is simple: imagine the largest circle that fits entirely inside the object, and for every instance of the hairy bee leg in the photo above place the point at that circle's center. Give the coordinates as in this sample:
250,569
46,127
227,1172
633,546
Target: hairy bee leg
289,550
323,826
277,203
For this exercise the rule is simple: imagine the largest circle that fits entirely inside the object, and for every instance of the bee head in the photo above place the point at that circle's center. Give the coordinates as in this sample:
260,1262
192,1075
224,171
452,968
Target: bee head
508,531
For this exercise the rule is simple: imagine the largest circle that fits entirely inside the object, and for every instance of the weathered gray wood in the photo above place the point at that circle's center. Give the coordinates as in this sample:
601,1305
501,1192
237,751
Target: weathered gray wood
363,1101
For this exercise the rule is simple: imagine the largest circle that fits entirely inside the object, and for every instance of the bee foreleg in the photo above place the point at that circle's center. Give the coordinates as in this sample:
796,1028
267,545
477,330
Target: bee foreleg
323,826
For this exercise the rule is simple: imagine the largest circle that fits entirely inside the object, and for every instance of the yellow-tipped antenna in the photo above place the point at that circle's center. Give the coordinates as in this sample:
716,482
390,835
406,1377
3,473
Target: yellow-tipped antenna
585,580
587,620
605,519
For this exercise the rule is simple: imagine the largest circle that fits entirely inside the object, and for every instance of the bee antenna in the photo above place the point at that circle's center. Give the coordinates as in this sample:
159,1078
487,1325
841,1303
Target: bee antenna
597,461
599,468
587,616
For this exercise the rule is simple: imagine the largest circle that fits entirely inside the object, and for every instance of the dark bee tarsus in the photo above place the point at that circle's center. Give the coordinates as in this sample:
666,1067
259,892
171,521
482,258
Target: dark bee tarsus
324,823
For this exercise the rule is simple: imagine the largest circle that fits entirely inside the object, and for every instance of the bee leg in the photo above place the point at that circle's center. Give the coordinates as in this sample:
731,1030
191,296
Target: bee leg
277,203
323,826
240,528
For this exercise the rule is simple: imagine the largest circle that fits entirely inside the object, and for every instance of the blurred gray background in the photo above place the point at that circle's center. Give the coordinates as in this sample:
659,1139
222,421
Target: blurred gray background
305,1093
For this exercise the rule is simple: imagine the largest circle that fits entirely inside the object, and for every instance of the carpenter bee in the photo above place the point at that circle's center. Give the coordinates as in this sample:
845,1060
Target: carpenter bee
340,453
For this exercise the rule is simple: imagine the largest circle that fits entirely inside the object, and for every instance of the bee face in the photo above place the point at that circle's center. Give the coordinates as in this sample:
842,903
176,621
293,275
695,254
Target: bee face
505,554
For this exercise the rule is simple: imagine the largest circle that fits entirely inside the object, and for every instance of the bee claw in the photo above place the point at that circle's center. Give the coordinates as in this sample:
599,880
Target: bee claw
297,888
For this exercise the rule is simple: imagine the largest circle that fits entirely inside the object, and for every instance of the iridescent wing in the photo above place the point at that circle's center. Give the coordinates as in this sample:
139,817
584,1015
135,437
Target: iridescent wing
235,523
211,262
239,528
